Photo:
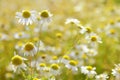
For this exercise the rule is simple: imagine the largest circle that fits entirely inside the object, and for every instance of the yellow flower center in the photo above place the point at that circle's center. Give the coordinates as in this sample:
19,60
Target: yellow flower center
26,14
66,57
20,34
84,56
42,64
59,35
72,62
112,31
89,68
54,57
44,14
111,22
29,46
35,79
55,66
88,30
93,38
17,60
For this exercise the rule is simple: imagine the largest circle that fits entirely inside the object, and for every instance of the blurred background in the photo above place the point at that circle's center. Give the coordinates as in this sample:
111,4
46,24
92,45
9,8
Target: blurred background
96,13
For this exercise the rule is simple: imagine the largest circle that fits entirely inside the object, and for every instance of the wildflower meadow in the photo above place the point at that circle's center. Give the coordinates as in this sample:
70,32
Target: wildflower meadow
59,39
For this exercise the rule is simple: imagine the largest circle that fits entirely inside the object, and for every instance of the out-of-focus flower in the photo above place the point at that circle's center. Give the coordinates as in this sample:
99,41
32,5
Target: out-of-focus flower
89,71
116,72
26,17
21,35
54,59
111,32
102,77
92,52
72,21
72,65
65,59
41,66
45,16
36,79
55,69
93,38
3,37
17,63
29,49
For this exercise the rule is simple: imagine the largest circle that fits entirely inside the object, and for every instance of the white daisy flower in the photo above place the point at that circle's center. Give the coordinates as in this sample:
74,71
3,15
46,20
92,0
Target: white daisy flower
92,52
3,37
102,77
41,66
36,79
116,72
89,71
17,63
54,59
45,17
72,21
111,32
65,59
93,38
29,49
26,17
21,35
55,69
72,65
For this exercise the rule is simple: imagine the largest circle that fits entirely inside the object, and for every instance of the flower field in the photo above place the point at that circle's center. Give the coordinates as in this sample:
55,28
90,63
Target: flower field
60,40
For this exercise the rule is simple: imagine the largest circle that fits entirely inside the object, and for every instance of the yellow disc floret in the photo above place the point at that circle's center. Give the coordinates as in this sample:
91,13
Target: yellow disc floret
59,35
93,38
89,68
73,62
35,79
88,30
29,46
44,14
42,64
55,66
54,57
66,57
112,31
26,14
17,60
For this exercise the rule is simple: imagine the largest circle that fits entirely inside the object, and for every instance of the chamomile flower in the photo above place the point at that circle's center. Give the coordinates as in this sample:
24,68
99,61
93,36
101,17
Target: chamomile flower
72,65
21,35
65,59
116,72
55,69
41,66
89,71
26,17
102,77
29,49
92,52
54,59
72,21
93,38
3,37
45,16
17,63
111,33
36,79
